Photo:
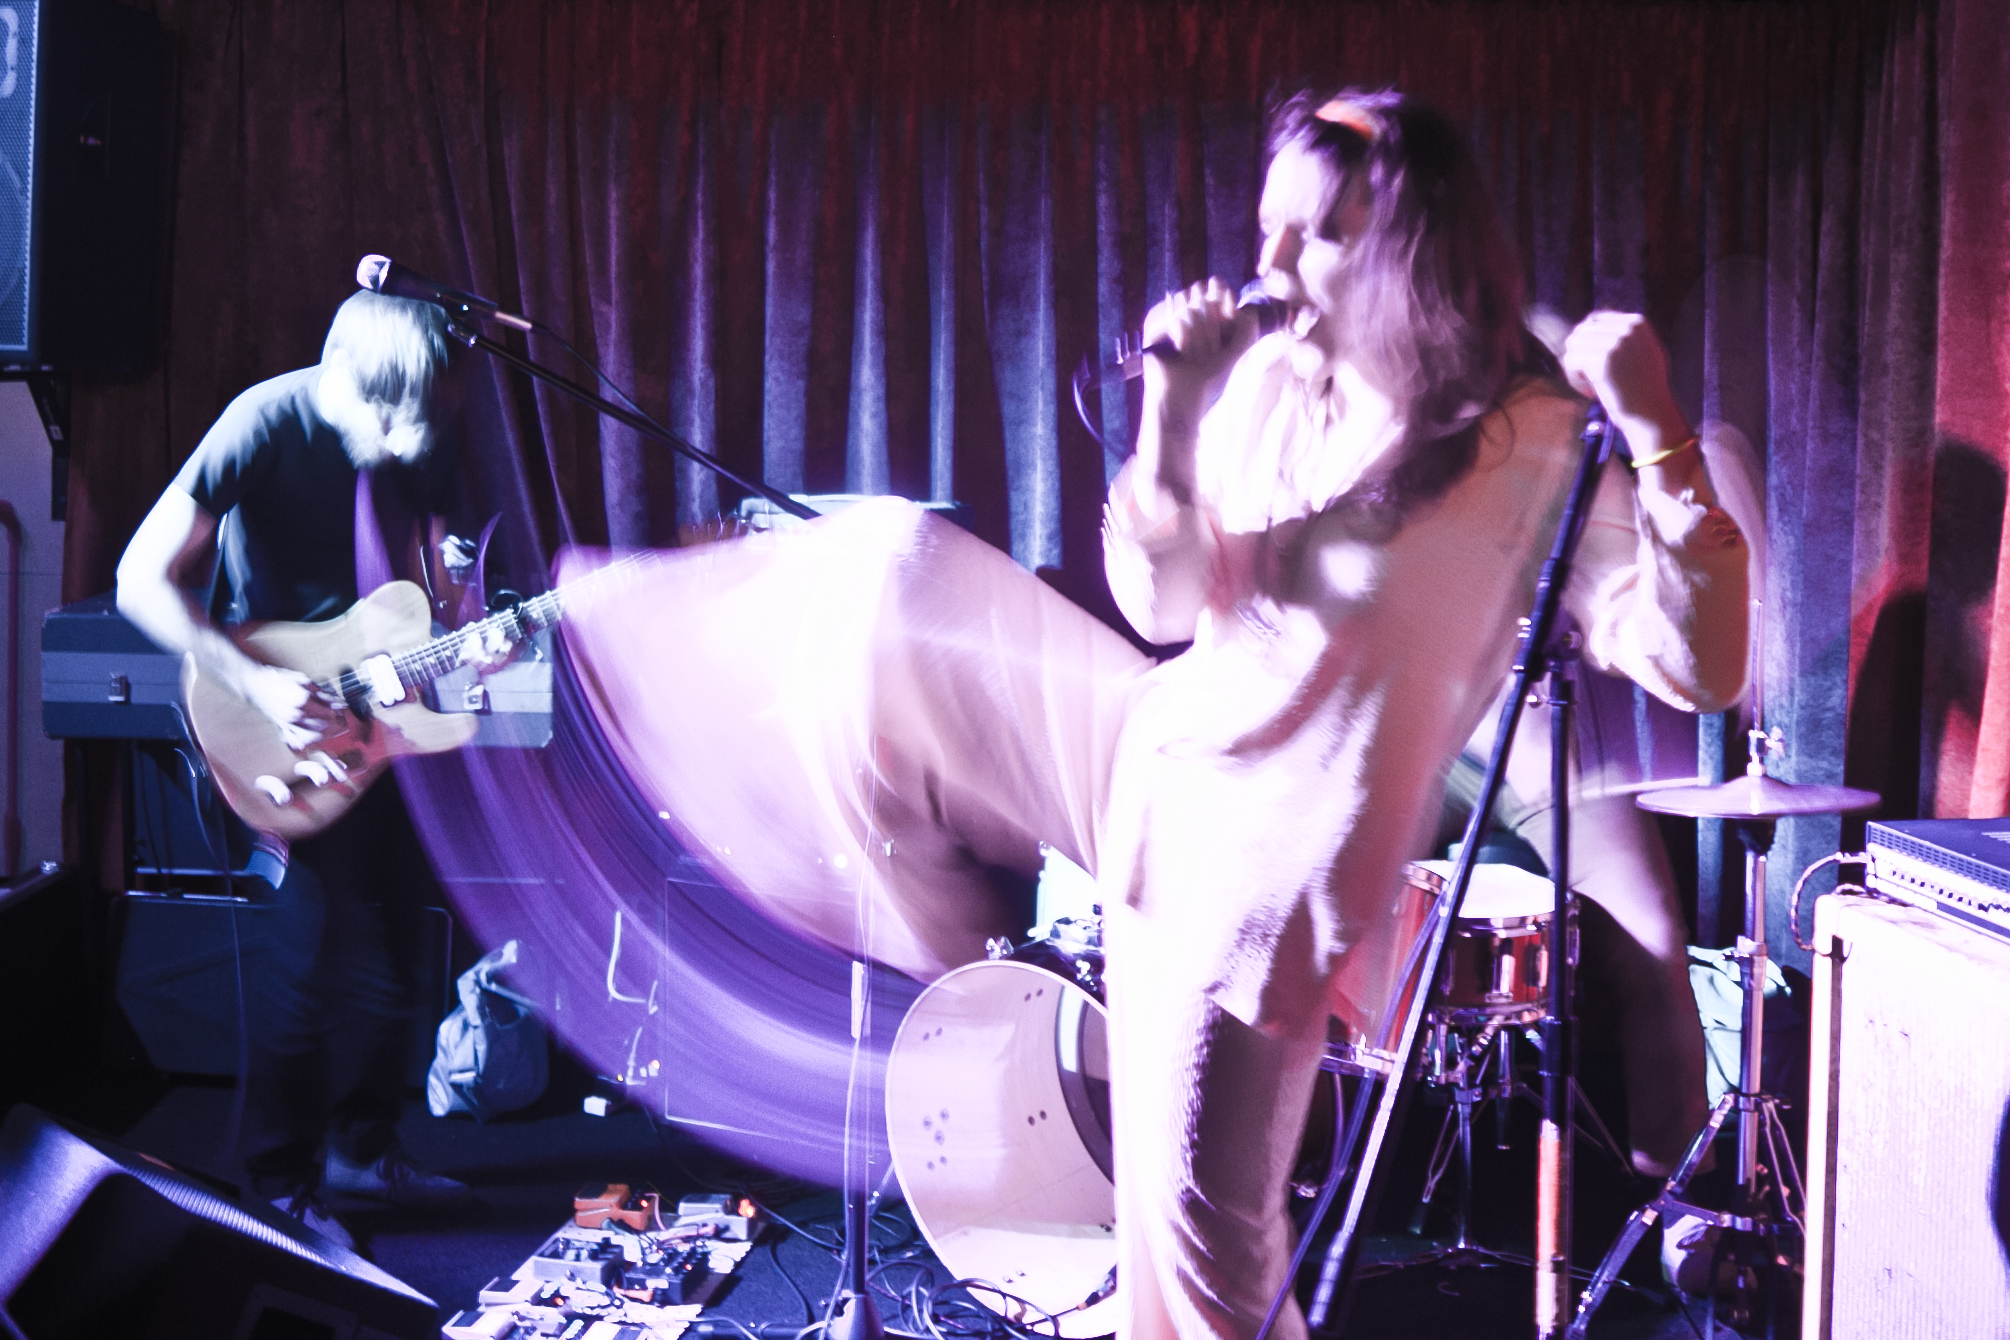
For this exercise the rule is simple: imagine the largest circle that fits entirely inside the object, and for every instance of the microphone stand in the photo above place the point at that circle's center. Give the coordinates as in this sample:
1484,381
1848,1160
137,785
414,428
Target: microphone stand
649,428
859,1318
1555,1149
1537,653
856,1316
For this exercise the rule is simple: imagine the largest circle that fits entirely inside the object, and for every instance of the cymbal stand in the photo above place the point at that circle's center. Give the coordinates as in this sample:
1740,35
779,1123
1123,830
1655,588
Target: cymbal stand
1770,1203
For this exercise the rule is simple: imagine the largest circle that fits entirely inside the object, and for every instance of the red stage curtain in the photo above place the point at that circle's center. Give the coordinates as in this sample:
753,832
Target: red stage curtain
1972,409
860,246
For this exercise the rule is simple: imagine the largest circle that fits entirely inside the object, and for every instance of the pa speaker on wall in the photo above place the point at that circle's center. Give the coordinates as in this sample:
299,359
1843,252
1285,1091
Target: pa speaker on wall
79,183
96,1240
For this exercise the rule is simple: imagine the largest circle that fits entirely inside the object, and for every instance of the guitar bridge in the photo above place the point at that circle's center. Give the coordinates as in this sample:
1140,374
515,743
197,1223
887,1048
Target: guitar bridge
475,698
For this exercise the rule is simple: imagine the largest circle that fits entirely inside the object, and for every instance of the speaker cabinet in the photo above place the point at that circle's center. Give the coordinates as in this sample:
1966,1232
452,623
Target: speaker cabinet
1908,1211
97,1240
80,198
187,968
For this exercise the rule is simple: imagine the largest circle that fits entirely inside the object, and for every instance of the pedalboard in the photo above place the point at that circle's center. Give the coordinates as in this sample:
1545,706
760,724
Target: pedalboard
618,1270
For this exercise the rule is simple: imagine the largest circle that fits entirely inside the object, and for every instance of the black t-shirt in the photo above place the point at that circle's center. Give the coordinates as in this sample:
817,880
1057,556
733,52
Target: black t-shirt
275,474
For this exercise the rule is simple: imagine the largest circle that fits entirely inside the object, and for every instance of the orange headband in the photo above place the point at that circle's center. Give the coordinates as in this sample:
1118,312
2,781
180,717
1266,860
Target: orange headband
1340,112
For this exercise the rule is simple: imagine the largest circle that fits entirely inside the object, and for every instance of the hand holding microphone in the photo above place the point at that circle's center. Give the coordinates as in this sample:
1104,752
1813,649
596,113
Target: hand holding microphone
1168,327
1195,337
1158,339
1616,359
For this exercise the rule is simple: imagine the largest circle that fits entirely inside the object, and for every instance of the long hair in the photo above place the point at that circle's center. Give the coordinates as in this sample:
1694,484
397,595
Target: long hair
1431,312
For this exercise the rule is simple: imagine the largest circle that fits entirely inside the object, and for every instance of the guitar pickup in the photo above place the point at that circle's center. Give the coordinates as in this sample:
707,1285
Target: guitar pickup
380,675
475,698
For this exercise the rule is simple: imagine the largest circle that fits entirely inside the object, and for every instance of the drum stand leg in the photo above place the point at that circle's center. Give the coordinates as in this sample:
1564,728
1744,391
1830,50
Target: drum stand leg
1456,1137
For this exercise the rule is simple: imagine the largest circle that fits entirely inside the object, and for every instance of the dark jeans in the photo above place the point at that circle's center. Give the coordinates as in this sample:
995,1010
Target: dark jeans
329,1039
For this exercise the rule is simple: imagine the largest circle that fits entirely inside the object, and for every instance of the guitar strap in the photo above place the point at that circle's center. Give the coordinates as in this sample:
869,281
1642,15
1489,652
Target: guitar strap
373,558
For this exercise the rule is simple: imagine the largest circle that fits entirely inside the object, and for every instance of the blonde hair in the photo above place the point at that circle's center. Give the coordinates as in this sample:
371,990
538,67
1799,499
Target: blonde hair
395,348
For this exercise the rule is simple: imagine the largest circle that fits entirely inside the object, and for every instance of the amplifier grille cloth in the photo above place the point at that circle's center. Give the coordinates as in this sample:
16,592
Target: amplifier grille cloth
1920,1086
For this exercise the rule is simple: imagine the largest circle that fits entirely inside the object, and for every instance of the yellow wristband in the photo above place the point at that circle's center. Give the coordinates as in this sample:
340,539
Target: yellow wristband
1641,462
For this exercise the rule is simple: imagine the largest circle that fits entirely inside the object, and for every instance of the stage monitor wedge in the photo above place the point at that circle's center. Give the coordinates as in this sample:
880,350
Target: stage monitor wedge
80,197
97,1240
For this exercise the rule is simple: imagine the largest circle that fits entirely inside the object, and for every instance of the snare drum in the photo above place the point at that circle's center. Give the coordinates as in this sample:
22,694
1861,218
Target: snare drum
1497,962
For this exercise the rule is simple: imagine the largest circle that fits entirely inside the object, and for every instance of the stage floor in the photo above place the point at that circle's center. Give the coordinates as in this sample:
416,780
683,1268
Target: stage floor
525,1169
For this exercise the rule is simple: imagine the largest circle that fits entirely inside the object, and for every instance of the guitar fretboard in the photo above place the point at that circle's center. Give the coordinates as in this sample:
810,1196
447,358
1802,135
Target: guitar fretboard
429,660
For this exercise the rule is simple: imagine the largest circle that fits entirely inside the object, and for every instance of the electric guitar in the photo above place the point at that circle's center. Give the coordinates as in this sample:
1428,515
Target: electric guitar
369,665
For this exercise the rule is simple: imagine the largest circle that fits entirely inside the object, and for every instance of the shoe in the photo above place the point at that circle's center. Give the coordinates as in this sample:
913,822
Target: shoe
306,1206
395,1180
1696,1258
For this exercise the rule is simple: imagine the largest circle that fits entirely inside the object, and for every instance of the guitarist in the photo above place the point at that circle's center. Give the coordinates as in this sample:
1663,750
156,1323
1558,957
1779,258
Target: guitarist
292,492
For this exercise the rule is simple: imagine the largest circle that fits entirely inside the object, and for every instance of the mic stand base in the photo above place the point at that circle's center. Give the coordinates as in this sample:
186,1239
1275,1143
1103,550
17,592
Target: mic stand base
857,1319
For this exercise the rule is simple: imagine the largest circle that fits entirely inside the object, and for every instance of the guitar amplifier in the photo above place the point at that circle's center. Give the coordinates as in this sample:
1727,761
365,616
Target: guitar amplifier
104,679
1957,867
1908,1126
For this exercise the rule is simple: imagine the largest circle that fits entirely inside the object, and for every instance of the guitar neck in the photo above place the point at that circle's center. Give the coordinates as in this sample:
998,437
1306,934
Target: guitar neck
442,655
428,661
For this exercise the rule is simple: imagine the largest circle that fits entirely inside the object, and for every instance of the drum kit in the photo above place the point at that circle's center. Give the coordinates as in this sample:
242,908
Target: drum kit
997,1085
997,1093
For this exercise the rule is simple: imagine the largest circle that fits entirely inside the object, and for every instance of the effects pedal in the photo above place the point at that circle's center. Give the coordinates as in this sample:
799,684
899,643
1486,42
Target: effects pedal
600,1203
728,1218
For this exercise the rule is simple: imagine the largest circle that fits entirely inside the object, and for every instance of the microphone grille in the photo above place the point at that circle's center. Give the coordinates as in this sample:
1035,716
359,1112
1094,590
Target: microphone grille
372,271
1268,311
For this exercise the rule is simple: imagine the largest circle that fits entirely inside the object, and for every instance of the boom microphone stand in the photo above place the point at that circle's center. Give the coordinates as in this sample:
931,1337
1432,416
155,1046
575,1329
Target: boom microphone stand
1536,654
647,427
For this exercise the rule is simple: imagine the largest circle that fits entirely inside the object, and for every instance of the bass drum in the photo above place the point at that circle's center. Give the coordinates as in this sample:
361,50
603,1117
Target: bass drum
998,1116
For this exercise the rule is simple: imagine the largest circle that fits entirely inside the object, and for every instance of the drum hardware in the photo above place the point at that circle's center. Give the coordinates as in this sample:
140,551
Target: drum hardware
1764,1230
1070,946
1492,982
1475,1067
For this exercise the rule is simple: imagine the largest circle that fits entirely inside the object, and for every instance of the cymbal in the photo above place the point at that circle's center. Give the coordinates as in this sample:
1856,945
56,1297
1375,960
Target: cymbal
1759,797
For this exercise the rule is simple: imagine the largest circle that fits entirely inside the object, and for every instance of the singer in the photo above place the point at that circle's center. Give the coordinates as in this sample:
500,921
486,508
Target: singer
1345,517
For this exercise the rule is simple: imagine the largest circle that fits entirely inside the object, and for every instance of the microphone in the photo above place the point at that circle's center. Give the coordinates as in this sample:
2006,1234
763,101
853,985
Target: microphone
381,274
1127,359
